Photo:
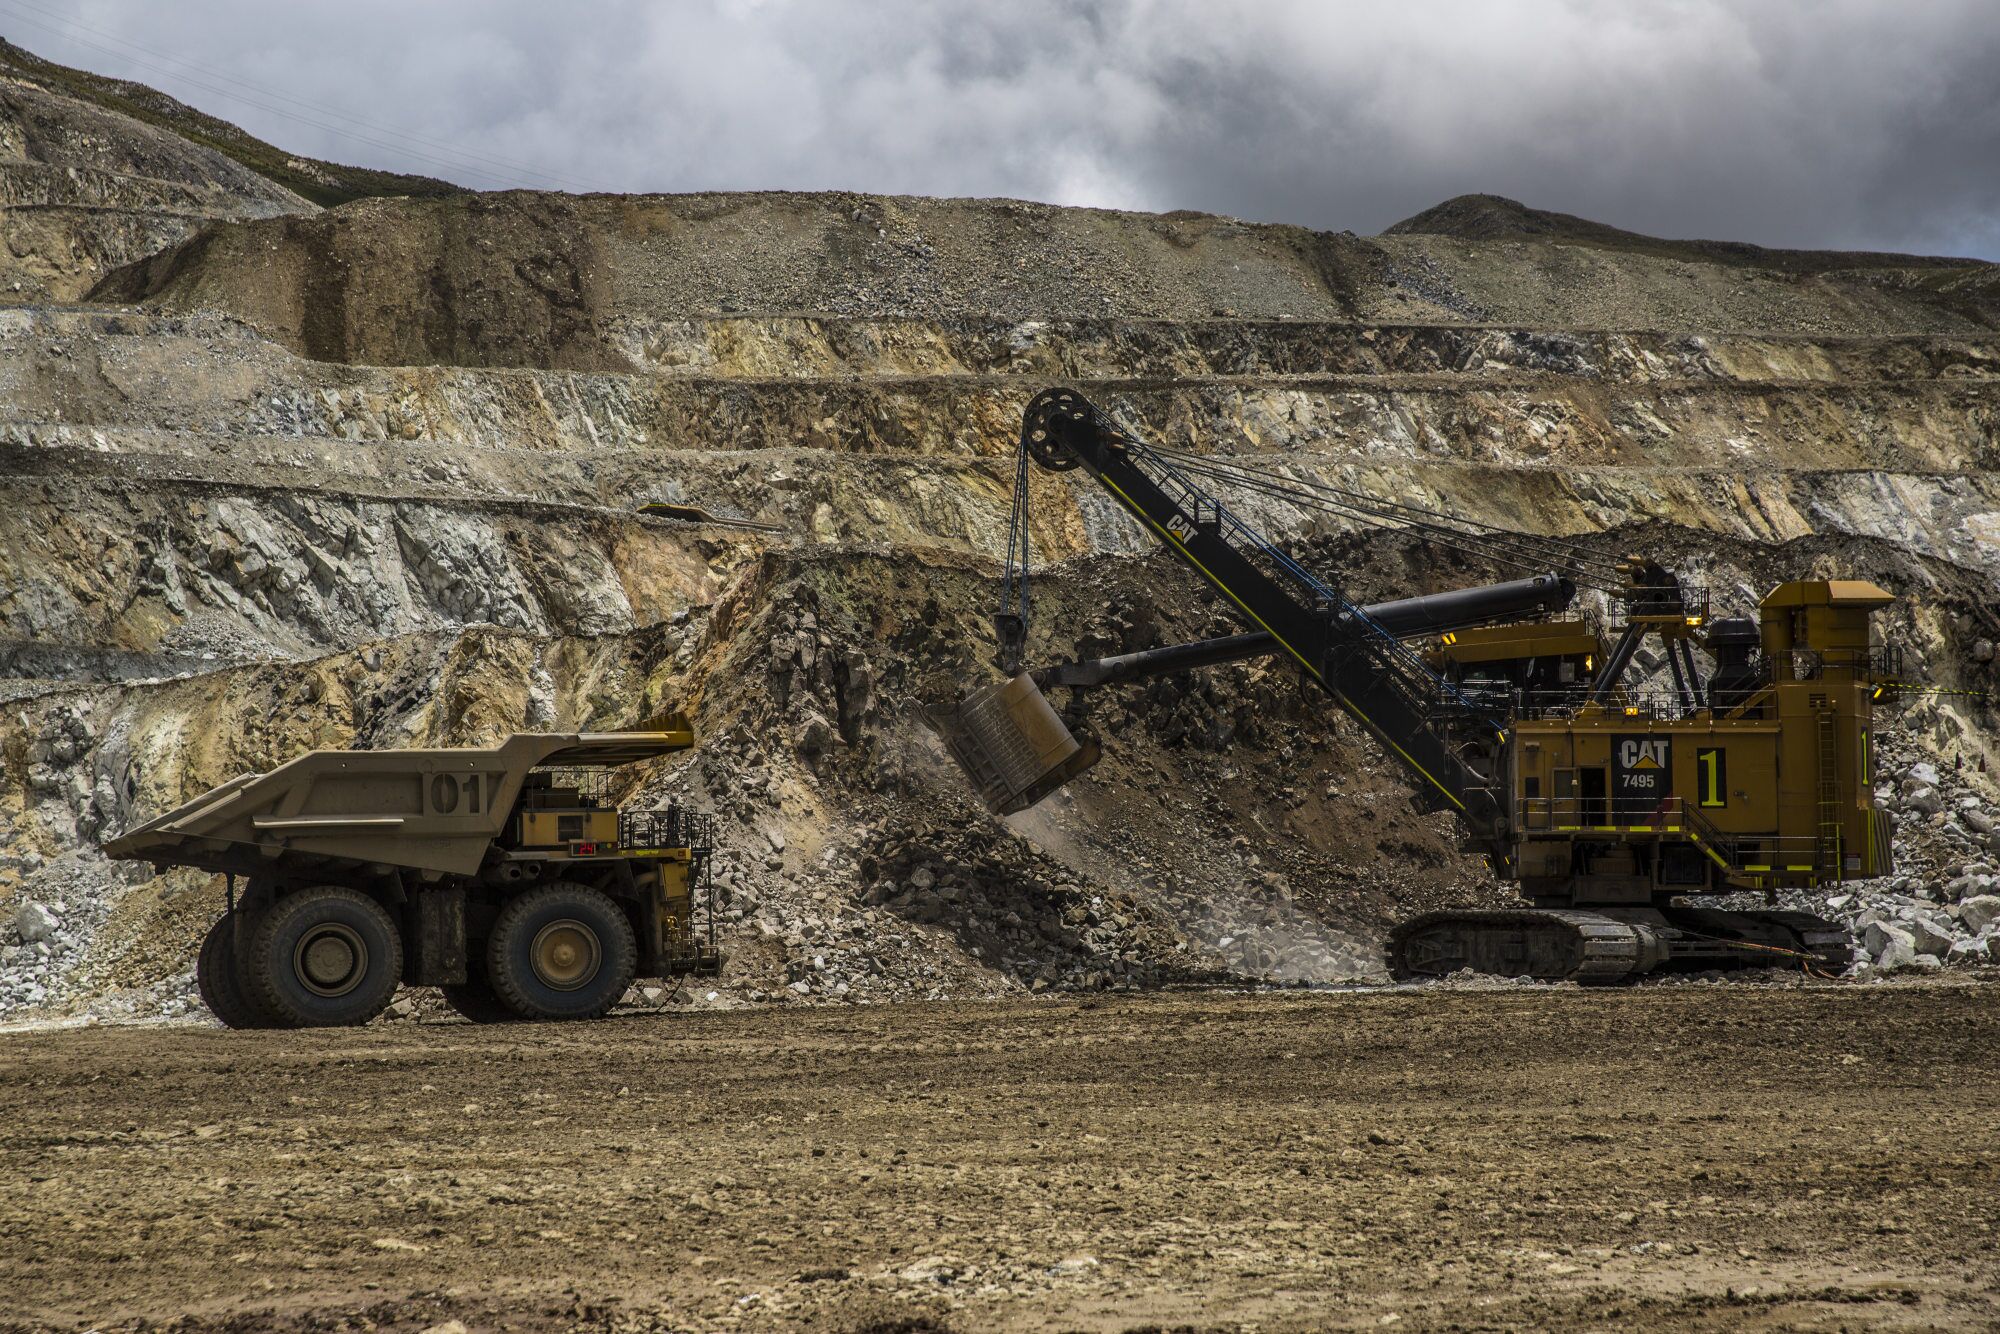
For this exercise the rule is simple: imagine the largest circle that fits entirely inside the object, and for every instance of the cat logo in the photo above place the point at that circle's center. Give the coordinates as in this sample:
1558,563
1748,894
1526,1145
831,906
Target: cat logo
1642,753
1181,526
1641,771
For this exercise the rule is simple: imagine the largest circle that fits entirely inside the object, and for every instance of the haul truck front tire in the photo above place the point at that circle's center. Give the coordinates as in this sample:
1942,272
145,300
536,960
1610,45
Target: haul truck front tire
220,985
564,951
324,958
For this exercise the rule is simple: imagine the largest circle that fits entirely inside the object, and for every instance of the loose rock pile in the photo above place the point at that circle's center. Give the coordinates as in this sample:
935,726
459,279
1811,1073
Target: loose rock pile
1942,909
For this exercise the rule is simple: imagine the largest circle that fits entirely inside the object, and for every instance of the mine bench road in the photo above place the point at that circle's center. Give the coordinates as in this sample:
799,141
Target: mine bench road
1687,1157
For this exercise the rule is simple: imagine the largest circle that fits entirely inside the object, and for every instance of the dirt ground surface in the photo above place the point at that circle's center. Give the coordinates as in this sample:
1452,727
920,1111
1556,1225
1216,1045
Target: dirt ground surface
1668,1157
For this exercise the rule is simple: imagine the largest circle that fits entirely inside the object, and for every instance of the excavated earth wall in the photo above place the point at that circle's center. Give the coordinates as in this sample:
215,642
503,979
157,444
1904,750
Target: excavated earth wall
280,477
84,191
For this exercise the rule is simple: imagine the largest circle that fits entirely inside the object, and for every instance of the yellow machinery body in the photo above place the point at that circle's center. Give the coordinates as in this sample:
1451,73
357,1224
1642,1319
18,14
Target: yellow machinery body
442,841
1611,802
1622,801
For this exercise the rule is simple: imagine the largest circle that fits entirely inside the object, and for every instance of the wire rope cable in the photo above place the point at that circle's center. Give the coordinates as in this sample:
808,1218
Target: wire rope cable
1486,538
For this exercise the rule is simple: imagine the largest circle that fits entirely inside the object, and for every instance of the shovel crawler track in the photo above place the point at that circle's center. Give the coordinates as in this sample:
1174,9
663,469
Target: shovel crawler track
1548,944
1597,948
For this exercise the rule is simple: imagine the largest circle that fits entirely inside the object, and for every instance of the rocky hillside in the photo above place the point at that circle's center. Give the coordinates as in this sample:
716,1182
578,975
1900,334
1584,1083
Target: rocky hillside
96,173
1493,218
325,183
283,476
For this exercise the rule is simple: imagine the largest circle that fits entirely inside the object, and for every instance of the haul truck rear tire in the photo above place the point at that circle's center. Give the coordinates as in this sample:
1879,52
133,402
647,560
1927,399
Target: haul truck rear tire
221,987
563,951
324,958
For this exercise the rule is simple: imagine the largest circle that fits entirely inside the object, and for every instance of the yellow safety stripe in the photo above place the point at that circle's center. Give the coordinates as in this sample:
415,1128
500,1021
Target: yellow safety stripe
1617,829
1346,703
1713,855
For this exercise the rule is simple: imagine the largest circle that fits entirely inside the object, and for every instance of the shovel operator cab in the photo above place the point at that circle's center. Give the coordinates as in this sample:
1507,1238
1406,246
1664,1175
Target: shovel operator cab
1612,805
504,876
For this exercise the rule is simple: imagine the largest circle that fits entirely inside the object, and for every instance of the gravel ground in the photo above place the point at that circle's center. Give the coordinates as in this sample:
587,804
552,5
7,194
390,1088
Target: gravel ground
1660,1158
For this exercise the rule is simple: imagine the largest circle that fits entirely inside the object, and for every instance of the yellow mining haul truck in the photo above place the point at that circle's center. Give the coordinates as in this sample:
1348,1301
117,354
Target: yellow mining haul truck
502,876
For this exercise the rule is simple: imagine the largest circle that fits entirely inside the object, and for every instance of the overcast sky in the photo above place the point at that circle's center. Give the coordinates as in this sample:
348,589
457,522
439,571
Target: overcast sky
1822,123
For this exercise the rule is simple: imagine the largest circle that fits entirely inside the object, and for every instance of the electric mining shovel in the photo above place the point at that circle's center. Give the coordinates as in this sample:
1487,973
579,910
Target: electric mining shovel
1613,808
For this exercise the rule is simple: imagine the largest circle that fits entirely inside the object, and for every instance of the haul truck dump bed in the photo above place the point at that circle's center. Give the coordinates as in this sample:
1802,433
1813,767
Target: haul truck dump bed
502,875
435,811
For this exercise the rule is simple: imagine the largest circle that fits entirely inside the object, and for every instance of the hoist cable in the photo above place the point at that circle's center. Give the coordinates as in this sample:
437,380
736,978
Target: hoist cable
1414,516
1517,551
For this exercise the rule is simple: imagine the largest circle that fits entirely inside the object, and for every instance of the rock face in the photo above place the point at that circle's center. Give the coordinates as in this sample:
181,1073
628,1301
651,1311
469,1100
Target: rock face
368,475
85,190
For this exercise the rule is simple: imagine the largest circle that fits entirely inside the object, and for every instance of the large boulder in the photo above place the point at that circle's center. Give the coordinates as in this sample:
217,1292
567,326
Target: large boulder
35,923
1928,937
1972,952
1979,912
1891,947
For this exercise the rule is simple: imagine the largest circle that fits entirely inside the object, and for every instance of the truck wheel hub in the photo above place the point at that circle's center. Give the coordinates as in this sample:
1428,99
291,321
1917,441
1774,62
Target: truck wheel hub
330,959
565,954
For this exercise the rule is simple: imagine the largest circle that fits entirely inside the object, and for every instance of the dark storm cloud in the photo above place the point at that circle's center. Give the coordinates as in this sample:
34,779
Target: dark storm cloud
1787,122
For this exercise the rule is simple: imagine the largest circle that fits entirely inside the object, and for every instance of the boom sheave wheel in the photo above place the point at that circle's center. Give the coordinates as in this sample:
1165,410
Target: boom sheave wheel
1039,433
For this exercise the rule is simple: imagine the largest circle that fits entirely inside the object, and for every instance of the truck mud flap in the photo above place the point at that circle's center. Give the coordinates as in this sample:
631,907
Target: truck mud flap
436,953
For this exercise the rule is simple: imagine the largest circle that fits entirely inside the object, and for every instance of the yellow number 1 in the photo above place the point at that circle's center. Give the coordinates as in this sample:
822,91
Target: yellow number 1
1711,777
